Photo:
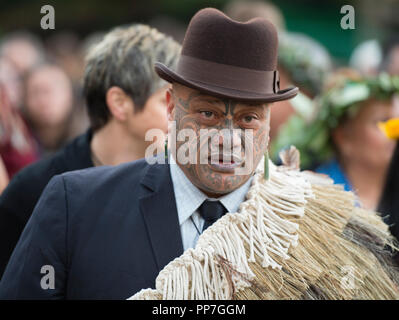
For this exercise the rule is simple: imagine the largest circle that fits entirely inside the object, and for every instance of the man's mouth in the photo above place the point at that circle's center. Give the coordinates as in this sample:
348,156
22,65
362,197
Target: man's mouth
224,163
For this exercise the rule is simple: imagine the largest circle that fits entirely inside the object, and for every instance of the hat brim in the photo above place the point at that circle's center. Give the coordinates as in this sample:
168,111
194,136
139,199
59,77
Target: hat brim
170,76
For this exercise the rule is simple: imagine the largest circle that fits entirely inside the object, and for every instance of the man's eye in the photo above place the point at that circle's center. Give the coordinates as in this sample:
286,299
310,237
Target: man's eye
248,119
207,114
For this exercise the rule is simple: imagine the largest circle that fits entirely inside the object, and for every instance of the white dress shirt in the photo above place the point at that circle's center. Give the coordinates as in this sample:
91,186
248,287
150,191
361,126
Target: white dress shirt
188,200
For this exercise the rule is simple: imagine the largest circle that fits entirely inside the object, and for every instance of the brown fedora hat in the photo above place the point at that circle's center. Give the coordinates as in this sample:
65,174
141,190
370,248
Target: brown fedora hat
229,59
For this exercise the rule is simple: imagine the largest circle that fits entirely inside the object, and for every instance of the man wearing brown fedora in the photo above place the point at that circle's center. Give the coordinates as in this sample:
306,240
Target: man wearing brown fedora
195,229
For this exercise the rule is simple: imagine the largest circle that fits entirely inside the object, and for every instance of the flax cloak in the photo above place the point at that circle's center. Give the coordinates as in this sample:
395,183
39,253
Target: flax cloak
296,236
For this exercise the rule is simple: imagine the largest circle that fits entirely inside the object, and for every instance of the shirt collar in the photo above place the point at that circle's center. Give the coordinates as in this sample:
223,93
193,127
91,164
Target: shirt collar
189,197
232,200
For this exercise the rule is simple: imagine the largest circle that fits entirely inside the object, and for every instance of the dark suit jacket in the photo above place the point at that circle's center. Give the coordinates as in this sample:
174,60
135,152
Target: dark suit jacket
389,202
107,231
20,197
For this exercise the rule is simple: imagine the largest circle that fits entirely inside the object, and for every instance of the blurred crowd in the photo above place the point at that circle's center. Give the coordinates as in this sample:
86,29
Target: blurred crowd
335,121
42,106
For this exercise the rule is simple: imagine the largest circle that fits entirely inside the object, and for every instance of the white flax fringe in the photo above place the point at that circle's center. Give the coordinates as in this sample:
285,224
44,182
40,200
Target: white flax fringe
261,224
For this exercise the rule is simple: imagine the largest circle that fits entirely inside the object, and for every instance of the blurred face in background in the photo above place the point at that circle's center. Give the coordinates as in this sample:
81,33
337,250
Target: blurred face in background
360,140
11,81
22,53
48,97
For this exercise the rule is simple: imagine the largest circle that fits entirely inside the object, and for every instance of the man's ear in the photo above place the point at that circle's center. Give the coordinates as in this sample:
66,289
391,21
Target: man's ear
269,107
119,103
170,104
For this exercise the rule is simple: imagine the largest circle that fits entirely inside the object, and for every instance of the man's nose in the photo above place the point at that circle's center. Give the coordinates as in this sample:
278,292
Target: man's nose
232,136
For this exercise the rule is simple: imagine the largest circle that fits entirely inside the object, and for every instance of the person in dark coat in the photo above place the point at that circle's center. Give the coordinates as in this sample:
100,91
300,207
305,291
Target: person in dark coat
106,232
389,202
21,195
121,108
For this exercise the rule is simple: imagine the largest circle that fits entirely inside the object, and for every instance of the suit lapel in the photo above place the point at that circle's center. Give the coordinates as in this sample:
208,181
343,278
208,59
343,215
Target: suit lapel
159,210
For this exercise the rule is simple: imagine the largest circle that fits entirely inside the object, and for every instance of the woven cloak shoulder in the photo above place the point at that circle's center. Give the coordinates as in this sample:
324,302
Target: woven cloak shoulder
297,236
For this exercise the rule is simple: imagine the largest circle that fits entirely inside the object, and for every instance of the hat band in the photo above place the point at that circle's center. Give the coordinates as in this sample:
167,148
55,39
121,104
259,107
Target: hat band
228,76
